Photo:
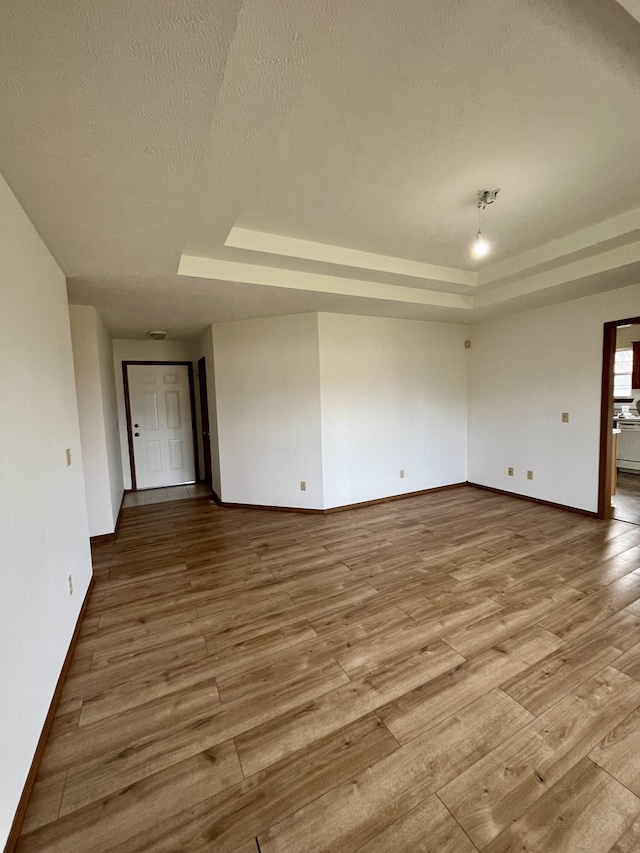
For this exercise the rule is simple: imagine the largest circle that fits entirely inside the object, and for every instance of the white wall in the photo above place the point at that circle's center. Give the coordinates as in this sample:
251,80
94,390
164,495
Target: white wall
626,336
268,403
110,414
84,340
95,388
204,348
44,533
525,370
394,396
131,350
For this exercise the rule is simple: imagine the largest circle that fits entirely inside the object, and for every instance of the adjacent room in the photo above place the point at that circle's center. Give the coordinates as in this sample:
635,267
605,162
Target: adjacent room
326,533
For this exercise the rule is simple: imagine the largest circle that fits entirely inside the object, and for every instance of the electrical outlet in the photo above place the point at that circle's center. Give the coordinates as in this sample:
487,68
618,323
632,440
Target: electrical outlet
68,452
565,417
70,582
303,485
510,472
402,473
529,475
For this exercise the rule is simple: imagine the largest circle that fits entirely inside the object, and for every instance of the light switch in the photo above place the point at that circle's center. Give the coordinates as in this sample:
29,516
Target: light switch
565,417
68,452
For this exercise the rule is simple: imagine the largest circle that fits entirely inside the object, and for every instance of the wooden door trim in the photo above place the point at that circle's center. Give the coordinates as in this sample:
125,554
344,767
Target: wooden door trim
127,409
606,413
202,368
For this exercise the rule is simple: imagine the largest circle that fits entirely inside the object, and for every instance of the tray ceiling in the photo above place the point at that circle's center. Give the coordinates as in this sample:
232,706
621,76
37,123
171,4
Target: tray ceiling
195,163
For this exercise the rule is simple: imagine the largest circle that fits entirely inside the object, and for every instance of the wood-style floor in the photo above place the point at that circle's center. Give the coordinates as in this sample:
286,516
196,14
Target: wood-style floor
626,501
448,673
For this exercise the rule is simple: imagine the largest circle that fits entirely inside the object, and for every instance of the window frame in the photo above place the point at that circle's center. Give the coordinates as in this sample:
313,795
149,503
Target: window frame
635,373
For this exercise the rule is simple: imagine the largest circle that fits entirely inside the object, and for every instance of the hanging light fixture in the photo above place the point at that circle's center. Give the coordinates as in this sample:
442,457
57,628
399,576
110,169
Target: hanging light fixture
481,247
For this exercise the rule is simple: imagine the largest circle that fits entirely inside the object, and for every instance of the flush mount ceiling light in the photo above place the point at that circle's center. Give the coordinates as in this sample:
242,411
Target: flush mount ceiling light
157,335
480,247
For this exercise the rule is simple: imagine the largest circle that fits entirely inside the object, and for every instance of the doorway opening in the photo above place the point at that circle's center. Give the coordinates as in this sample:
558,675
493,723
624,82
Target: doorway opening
161,423
144,497
619,483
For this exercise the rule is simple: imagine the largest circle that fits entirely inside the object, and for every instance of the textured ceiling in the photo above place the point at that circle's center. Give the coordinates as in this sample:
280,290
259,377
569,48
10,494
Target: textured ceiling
410,113
289,156
106,110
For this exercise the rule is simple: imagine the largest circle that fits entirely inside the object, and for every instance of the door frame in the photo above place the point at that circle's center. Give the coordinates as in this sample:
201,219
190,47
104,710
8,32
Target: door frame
127,409
203,392
606,413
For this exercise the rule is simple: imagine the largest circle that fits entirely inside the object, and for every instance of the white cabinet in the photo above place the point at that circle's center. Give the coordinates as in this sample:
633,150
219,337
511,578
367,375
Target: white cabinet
629,446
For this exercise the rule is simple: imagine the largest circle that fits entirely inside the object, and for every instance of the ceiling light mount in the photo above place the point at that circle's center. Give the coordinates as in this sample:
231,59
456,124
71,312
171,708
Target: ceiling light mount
486,197
481,247
157,335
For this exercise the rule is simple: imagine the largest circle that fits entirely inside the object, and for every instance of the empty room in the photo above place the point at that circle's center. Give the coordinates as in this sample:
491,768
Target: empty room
326,533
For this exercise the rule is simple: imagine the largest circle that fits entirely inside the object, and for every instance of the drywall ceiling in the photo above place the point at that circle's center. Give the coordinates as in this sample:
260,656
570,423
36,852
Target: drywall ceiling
194,162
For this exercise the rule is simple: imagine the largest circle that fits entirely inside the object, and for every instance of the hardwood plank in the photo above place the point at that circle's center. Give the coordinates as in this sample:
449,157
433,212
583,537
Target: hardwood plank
44,805
139,691
139,628
132,646
618,752
383,648
106,822
629,841
246,605
109,766
268,676
530,645
579,617
429,828
324,602
489,796
585,810
605,572
352,814
629,662
103,737
509,621
450,611
67,717
435,700
249,807
353,623
251,652
546,682
306,723
150,661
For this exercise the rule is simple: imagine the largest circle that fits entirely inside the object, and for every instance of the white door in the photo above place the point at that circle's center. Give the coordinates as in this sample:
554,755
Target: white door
160,403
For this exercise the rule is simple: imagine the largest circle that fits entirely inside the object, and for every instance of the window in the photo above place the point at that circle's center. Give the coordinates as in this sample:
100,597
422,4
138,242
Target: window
623,368
626,370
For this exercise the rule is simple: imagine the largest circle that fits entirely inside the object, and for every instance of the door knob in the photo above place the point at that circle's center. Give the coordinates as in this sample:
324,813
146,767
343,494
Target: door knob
136,433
